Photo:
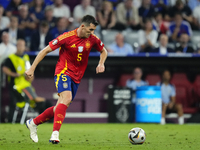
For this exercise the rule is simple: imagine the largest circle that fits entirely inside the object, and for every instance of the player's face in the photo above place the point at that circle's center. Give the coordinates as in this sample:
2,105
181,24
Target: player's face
166,76
20,47
88,30
137,73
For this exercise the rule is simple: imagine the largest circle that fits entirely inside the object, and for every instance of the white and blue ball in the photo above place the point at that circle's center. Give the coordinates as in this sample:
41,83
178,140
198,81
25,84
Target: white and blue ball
137,136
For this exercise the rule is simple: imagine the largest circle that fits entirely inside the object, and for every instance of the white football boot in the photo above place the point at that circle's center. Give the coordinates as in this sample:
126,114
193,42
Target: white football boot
54,137
33,130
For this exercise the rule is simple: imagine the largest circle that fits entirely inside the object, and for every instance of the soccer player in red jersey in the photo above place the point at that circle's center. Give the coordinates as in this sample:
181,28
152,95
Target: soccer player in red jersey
74,51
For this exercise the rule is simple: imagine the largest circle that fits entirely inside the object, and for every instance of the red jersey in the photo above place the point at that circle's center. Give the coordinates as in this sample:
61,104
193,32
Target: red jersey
74,53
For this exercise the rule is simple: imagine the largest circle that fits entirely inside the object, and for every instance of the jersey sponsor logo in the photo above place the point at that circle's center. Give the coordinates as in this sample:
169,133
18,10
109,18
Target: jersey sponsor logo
65,85
73,46
60,115
55,42
87,45
80,49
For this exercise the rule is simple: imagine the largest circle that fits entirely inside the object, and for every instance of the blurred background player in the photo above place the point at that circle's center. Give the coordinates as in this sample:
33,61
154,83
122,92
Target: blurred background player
14,67
169,98
73,57
133,83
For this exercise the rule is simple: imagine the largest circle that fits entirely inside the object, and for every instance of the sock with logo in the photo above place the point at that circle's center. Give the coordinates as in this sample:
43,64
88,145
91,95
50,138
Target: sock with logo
45,116
59,116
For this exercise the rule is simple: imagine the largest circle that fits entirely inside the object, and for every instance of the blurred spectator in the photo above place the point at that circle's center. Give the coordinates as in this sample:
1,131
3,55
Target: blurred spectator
137,3
127,15
96,4
60,9
60,28
6,48
173,2
81,10
146,11
14,67
48,17
184,47
136,81
184,10
4,21
13,31
106,16
160,6
12,8
41,38
178,27
169,98
193,4
37,10
25,22
196,15
163,48
119,47
147,38
160,25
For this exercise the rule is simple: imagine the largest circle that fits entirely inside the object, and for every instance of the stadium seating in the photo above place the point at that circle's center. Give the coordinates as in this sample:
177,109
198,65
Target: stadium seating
196,86
108,36
123,78
184,86
153,79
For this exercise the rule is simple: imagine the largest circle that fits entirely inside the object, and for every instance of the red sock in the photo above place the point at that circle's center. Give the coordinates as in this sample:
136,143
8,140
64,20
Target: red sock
59,116
45,116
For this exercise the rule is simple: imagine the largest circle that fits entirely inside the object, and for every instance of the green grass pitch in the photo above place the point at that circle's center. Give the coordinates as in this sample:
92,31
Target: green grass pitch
101,137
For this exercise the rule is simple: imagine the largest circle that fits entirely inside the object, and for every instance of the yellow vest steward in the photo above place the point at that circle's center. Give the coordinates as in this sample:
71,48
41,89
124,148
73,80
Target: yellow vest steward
20,66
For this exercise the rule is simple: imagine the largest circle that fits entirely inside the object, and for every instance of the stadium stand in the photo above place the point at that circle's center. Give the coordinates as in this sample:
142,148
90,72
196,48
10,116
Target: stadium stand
153,79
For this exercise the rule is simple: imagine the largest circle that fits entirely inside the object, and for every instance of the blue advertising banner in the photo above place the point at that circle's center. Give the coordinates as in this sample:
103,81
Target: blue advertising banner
148,104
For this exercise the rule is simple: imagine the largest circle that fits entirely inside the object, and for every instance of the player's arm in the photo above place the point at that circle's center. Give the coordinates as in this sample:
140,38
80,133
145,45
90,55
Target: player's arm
101,68
8,72
38,58
172,102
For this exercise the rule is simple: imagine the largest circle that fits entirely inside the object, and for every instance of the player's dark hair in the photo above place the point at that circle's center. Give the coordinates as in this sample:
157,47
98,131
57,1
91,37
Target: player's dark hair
89,19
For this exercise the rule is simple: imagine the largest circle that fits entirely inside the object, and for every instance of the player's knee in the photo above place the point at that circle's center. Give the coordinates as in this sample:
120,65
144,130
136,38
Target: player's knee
66,100
179,106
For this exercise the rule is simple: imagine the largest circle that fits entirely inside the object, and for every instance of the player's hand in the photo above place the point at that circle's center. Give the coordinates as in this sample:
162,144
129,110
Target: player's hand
29,73
100,68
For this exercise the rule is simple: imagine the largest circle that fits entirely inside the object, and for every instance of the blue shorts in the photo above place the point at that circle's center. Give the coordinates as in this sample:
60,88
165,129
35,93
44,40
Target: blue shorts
65,83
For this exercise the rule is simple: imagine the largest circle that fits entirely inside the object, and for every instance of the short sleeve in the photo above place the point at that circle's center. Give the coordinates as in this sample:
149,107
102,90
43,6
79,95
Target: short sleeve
57,42
98,44
173,93
8,63
128,83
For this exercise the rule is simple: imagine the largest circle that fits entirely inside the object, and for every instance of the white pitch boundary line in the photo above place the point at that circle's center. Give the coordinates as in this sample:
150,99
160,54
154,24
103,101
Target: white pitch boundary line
86,115
99,115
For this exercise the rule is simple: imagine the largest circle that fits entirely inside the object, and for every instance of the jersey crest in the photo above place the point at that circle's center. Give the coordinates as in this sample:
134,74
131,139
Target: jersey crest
87,45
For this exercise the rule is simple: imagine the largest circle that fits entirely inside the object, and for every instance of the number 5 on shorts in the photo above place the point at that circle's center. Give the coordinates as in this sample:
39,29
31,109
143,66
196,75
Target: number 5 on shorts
64,78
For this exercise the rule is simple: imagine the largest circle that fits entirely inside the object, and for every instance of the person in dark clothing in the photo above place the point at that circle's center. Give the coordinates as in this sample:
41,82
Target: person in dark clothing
184,47
13,31
41,37
163,48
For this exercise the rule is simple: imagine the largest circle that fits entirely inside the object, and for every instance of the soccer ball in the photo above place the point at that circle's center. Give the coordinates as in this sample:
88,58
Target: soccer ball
137,136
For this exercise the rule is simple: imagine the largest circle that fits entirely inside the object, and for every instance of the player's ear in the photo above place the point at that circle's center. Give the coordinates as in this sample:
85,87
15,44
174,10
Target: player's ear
82,25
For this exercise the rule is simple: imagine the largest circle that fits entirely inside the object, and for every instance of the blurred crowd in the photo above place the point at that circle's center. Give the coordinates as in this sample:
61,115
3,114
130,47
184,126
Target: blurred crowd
161,26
